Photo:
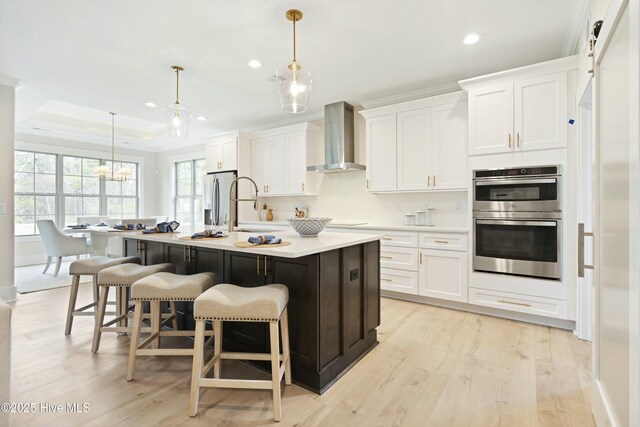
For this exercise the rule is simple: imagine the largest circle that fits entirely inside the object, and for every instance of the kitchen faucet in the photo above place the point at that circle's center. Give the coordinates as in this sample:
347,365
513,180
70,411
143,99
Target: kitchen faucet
233,214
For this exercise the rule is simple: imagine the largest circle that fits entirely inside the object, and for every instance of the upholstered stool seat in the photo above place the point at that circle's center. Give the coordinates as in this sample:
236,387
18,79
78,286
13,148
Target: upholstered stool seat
89,267
122,277
226,302
155,289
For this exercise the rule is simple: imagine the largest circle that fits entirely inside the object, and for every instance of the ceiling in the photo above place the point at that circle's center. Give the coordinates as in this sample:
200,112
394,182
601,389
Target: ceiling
80,59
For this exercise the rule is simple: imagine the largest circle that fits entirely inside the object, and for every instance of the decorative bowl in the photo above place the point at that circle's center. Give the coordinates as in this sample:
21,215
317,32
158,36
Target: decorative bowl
309,227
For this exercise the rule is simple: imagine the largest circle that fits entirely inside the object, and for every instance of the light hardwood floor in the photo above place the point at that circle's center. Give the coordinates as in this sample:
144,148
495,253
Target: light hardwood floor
433,367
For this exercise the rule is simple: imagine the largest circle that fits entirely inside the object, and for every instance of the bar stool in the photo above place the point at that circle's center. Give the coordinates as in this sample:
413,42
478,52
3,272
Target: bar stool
122,277
89,267
226,302
155,289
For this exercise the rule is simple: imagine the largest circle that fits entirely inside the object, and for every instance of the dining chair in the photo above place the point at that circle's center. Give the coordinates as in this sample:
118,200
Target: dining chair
59,245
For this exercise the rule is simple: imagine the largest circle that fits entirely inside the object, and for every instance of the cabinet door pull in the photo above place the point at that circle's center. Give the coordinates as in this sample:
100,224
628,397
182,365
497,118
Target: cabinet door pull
385,257
509,140
257,265
303,186
265,265
581,235
444,242
367,183
386,238
264,188
184,253
420,257
518,139
386,280
514,303
189,254
428,180
434,180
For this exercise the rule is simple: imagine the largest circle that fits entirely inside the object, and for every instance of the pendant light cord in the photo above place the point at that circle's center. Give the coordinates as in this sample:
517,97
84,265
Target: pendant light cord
294,39
177,85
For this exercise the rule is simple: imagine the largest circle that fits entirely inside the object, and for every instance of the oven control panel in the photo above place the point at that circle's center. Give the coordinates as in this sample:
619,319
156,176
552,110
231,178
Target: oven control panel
529,171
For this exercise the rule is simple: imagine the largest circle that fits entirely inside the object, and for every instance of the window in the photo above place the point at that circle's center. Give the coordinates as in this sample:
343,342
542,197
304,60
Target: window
35,190
62,188
81,188
122,196
189,207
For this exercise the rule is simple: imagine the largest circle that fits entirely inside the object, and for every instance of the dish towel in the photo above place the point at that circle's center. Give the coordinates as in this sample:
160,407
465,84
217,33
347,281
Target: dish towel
267,239
163,227
211,234
129,227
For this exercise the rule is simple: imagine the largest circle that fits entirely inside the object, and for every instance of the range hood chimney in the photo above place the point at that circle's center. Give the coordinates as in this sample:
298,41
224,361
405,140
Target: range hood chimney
338,140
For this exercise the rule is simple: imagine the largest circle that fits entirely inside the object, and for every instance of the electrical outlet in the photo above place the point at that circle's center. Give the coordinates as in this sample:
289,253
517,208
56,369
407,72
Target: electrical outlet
458,206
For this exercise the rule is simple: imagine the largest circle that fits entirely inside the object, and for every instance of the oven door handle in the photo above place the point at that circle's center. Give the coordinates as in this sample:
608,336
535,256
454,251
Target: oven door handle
503,222
498,182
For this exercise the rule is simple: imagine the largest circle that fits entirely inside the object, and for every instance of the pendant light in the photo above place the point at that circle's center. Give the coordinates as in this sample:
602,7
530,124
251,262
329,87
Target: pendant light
177,117
103,171
294,81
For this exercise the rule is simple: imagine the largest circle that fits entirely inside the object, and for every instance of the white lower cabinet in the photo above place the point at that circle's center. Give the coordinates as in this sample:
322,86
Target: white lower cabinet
443,274
399,281
547,307
399,257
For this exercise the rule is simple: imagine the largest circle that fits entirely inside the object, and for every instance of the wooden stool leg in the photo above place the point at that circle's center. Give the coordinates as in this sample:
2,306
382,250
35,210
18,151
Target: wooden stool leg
121,304
172,307
196,370
155,322
102,306
275,370
96,291
73,296
135,334
286,353
217,346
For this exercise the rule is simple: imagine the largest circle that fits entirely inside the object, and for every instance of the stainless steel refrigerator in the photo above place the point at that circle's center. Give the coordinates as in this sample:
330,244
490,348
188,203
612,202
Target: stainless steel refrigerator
216,198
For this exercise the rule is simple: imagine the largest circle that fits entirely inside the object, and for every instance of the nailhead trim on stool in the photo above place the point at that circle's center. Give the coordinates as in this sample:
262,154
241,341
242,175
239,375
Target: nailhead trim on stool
122,277
89,267
227,302
156,288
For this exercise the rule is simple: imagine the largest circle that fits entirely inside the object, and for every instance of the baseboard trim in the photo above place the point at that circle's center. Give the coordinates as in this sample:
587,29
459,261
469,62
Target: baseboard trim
8,293
505,314
601,409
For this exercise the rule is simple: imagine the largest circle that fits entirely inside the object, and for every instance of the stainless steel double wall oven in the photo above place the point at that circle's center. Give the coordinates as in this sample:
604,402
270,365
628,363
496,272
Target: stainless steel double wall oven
517,221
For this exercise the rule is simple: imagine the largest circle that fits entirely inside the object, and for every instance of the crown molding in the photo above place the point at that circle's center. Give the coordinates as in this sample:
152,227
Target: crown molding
412,95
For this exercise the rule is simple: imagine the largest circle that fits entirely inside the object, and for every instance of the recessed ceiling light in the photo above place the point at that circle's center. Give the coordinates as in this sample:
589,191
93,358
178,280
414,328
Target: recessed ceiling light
472,38
254,63
150,104
201,118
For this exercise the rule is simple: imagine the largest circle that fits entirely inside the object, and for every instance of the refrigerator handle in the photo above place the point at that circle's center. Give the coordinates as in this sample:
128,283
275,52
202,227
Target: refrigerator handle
216,199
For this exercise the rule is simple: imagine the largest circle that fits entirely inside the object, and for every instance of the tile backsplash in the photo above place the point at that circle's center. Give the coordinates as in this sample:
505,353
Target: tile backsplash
343,197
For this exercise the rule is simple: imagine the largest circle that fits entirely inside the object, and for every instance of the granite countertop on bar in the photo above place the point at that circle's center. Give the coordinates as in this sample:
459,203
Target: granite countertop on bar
299,247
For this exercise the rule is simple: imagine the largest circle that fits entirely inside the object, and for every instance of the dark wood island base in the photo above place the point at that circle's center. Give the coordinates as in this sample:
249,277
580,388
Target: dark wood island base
334,301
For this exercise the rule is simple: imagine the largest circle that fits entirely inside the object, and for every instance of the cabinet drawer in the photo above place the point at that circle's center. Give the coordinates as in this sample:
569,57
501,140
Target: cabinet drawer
398,257
399,281
451,242
398,238
521,303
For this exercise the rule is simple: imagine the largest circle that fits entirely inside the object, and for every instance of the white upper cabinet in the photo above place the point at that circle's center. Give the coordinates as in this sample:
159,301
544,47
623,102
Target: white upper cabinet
418,149
279,161
520,110
540,112
491,119
222,152
381,153
449,146
413,149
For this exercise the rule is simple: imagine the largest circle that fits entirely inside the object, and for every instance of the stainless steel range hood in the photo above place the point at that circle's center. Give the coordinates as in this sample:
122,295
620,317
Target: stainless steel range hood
338,140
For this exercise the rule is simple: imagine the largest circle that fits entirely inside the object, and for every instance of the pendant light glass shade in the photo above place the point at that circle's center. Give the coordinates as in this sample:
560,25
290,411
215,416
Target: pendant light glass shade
106,173
294,81
294,87
177,117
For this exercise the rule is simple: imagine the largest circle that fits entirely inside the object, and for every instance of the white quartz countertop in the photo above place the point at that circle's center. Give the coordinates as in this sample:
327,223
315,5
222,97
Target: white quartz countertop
299,247
261,225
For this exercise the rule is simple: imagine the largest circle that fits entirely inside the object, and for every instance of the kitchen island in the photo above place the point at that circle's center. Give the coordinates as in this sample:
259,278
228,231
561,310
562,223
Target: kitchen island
334,292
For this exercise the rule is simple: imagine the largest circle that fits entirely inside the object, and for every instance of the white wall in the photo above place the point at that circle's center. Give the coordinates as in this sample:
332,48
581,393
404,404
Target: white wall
7,130
29,250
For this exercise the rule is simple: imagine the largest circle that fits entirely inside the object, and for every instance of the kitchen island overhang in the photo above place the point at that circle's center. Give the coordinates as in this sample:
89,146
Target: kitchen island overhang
334,292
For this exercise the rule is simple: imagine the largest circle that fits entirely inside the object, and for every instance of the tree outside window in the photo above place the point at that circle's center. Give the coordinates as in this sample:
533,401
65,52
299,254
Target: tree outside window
34,189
